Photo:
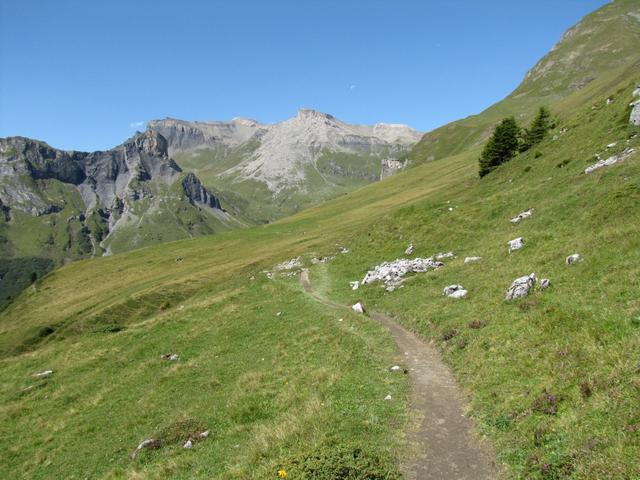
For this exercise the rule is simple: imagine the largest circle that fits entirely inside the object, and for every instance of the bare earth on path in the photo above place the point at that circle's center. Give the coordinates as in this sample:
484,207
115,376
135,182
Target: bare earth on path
448,449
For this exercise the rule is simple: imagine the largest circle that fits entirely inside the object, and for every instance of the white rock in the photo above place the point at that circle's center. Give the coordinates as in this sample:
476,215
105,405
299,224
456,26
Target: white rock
521,287
46,373
516,244
611,160
545,283
571,259
188,444
204,434
354,285
149,443
396,368
278,314
172,357
611,145
289,264
358,308
392,273
451,209
443,255
344,250
388,397
409,249
521,216
454,291
472,259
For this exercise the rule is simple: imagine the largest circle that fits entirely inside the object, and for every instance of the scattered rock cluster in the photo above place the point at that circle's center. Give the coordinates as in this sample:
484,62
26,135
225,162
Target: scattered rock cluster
289,264
611,160
392,273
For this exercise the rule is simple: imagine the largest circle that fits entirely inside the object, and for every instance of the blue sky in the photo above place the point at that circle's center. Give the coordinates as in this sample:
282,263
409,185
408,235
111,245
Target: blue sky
85,74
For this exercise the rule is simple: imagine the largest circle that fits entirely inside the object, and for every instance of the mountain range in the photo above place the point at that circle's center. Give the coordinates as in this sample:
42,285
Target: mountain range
176,180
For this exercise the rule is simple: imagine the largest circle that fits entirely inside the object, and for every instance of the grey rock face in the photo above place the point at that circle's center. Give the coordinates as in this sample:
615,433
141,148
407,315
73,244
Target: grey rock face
197,193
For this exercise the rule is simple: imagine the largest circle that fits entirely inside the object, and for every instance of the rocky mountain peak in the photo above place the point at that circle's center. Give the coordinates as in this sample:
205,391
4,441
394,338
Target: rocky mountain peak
307,113
149,142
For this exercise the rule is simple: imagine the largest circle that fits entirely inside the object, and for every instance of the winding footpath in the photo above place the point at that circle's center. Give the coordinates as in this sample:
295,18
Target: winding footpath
446,446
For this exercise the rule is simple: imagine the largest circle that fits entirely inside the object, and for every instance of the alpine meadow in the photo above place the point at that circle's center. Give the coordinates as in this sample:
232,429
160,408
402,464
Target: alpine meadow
320,299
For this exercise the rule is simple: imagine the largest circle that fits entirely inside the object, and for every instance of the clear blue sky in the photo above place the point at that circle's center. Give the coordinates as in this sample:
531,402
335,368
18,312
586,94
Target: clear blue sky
83,74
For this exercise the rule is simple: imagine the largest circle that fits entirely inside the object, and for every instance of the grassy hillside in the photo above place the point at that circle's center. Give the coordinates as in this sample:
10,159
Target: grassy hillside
600,46
552,380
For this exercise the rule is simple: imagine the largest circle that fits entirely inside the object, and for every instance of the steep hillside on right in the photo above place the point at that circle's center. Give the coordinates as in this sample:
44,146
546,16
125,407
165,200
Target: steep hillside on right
601,45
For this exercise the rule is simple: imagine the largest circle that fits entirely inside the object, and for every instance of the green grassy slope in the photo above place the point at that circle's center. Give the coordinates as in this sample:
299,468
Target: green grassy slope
101,325
599,46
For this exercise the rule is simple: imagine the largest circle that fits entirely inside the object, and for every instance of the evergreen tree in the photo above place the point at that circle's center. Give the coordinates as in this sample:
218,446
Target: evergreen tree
538,130
501,147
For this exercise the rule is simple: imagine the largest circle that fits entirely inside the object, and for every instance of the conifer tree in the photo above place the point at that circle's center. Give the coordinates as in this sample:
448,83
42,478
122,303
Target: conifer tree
538,130
501,147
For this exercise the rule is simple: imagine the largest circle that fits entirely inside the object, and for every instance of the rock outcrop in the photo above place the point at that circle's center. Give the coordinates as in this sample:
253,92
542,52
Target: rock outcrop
197,193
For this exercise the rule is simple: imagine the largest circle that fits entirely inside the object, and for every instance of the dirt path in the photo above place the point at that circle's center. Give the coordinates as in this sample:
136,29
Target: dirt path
444,436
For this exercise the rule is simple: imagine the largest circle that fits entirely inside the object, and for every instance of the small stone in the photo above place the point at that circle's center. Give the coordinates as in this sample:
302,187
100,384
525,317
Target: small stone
571,259
388,397
344,250
396,368
44,374
172,357
358,308
521,216
188,444
278,314
205,434
516,244
472,259
454,291
545,283
409,249
611,145
443,255
354,285
150,444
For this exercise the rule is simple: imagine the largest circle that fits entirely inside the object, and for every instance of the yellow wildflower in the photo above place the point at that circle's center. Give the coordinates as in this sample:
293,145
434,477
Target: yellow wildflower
282,473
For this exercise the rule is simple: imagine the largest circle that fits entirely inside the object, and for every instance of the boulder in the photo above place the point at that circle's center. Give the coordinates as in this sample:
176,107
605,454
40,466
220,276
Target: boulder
521,216
454,291
634,118
472,259
545,283
516,244
521,287
571,259
358,308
